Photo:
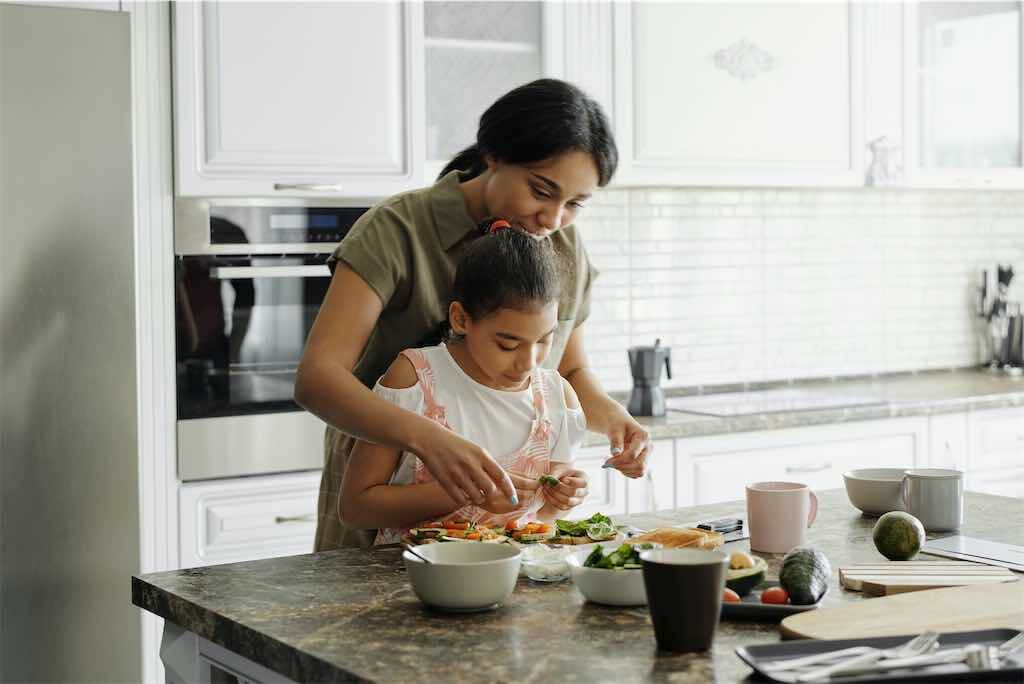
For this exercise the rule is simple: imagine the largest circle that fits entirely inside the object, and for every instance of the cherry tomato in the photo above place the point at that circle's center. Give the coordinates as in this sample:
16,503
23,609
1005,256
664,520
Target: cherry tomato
510,526
775,595
730,596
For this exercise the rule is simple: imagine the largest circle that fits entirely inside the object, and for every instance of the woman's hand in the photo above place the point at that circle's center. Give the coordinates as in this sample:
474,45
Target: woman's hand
630,442
463,469
571,489
499,503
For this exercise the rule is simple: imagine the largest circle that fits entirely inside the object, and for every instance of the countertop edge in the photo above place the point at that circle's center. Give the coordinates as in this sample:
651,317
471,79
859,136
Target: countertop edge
698,425
286,660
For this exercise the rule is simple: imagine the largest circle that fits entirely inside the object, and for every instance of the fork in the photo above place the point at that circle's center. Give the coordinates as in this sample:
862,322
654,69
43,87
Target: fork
947,656
921,644
818,658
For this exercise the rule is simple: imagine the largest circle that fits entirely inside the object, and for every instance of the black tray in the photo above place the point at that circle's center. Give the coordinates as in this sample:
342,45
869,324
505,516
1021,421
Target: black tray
1012,670
751,608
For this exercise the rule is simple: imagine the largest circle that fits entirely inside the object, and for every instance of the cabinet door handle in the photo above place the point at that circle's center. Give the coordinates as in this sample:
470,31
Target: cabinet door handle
280,519
309,187
793,470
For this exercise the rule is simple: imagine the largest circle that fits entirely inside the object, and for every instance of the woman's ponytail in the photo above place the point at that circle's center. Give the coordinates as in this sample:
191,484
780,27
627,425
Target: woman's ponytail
469,160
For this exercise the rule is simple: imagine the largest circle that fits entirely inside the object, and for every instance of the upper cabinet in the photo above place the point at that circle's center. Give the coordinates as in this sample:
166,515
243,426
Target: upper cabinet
297,98
738,94
474,52
963,94
364,99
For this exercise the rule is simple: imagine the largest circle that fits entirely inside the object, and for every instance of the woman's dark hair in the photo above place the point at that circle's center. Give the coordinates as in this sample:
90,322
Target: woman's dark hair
507,269
538,121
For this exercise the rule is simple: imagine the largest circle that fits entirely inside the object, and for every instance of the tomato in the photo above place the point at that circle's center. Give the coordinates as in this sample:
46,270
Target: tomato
775,595
730,596
541,527
510,526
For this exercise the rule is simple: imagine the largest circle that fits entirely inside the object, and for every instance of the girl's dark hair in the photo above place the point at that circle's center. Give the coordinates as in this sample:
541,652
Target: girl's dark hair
507,269
538,121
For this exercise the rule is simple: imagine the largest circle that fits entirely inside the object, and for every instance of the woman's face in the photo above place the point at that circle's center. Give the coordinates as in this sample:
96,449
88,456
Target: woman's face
502,349
543,196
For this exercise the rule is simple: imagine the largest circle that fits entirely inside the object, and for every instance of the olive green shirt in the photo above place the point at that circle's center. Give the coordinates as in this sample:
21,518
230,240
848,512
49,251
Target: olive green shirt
407,249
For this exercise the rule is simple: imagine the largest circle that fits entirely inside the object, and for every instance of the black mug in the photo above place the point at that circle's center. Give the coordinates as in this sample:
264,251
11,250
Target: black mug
684,594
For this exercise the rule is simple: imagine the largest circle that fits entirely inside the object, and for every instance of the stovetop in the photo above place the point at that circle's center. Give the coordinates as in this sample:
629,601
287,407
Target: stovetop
729,404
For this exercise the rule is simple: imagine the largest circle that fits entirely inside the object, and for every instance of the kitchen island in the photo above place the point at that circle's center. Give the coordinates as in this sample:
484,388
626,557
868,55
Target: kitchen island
351,615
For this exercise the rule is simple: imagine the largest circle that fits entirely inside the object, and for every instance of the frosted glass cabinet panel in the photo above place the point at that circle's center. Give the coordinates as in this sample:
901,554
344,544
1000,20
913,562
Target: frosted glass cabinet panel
475,52
969,70
963,94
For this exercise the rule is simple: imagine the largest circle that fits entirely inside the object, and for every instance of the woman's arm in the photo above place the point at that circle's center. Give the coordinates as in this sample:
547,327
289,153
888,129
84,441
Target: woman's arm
326,387
630,443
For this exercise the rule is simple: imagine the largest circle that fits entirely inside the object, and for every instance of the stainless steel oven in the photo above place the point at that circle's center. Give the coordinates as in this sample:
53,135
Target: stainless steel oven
250,276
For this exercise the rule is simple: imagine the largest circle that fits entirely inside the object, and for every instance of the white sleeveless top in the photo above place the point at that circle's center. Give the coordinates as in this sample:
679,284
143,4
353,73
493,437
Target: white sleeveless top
496,420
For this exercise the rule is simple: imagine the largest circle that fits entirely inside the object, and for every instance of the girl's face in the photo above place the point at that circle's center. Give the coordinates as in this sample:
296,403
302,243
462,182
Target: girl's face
500,350
541,197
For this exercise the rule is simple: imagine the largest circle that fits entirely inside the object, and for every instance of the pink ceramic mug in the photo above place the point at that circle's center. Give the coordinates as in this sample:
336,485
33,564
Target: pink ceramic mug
779,514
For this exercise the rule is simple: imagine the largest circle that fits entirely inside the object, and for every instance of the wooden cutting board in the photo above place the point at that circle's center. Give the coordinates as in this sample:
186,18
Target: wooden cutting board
956,609
898,577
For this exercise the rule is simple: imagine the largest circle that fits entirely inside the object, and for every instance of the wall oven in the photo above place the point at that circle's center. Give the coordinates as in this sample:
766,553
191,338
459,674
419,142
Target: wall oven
249,279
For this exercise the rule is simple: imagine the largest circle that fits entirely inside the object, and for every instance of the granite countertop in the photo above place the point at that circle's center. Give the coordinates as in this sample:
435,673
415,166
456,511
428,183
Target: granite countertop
895,396
350,614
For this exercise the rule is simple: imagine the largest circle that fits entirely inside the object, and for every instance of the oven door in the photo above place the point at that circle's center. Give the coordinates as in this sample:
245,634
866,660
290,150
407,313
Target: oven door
241,327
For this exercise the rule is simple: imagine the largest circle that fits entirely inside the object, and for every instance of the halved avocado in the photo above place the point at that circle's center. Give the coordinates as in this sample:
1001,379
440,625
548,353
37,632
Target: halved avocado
743,580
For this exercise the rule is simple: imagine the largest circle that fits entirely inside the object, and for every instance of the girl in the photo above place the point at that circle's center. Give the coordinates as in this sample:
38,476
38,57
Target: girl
485,383
541,151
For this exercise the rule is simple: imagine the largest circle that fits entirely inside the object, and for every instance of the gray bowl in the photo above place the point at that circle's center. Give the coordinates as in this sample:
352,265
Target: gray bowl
875,491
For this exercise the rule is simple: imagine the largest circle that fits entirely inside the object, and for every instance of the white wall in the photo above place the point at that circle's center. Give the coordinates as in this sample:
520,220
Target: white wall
753,284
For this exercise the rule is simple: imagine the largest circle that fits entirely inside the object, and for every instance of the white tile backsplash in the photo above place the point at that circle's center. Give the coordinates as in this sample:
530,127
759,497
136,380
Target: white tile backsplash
750,285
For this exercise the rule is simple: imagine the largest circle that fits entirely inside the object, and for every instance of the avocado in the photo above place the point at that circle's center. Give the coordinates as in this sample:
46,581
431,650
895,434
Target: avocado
742,580
898,536
804,575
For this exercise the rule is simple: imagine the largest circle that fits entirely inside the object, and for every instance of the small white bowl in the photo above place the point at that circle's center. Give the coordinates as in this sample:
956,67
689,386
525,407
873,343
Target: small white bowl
875,491
546,564
608,587
463,577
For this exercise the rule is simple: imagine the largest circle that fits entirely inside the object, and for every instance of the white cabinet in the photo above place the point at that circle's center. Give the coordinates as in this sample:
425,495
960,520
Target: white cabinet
715,469
729,93
474,52
308,99
247,518
963,88
948,441
607,486
995,464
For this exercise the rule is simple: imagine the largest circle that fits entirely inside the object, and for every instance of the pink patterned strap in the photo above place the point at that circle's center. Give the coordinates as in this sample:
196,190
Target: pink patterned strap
425,375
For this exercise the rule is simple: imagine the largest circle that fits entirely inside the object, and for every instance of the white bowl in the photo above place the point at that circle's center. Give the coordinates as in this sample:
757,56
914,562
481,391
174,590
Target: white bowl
875,491
463,577
546,564
609,587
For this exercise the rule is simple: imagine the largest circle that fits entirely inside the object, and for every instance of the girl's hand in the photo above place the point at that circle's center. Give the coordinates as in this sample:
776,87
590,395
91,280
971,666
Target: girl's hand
463,469
630,443
499,503
571,489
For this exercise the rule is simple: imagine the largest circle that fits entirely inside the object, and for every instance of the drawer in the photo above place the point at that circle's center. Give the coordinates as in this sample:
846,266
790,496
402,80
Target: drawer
719,468
248,518
998,482
997,439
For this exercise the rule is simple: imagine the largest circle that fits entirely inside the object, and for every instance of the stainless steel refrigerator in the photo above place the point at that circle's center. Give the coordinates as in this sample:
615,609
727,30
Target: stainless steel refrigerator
69,502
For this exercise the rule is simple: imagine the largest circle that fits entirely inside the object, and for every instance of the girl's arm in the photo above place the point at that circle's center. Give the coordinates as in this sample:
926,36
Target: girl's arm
367,500
326,387
630,443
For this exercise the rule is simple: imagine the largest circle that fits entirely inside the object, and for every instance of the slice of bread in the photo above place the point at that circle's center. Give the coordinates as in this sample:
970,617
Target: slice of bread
682,537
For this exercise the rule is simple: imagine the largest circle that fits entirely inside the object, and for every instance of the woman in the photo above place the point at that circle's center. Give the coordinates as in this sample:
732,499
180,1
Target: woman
541,151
